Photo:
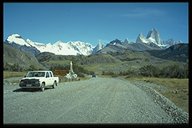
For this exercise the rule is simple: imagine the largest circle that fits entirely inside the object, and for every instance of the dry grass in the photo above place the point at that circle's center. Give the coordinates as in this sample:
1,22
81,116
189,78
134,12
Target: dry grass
177,89
8,74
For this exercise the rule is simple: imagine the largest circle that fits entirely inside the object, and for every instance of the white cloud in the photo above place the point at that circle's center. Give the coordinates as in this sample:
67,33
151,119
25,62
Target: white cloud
144,12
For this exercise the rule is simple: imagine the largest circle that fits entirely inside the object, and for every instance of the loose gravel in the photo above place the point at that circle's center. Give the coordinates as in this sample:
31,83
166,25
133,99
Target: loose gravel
97,100
169,107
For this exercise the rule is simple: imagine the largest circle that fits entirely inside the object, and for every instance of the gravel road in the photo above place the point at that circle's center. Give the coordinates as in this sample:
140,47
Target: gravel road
97,100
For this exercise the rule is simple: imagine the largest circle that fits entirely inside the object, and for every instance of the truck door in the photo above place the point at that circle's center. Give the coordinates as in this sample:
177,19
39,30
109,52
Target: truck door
48,79
51,78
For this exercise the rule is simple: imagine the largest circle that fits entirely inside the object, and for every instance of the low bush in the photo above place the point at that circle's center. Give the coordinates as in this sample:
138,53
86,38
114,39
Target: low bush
175,71
15,67
149,70
108,73
171,71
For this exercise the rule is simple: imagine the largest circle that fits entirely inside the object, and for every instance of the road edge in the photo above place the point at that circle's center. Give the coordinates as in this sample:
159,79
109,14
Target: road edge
169,107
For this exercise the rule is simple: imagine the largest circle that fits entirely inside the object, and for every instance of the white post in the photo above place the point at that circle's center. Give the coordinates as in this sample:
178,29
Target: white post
71,66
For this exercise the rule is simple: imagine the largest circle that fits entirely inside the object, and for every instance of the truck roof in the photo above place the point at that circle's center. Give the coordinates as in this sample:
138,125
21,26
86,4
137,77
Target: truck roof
40,71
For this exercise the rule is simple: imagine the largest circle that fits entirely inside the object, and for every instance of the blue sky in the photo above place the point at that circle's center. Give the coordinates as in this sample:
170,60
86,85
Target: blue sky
94,22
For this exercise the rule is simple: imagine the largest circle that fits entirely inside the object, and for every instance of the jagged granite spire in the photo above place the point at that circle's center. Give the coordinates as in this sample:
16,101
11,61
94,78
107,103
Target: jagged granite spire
98,47
141,39
126,41
154,34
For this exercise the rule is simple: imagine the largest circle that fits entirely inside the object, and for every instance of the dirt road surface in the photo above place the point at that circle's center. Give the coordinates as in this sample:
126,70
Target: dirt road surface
96,100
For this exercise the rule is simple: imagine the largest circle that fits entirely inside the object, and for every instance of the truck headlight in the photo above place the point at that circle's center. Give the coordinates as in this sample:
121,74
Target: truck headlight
21,82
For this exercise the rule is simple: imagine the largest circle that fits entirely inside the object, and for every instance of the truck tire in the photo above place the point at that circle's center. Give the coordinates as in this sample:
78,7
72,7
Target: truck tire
54,84
43,87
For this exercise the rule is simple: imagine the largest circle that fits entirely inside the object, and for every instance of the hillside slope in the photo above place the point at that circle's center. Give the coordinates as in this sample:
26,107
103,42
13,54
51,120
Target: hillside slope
24,60
177,52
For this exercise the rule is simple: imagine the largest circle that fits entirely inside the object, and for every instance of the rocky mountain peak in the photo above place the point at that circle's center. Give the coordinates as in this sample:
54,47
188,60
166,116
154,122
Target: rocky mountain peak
16,35
98,47
141,35
126,41
17,39
153,37
154,34
116,41
141,39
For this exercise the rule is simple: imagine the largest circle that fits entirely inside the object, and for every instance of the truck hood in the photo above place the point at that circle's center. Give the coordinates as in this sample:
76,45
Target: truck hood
31,78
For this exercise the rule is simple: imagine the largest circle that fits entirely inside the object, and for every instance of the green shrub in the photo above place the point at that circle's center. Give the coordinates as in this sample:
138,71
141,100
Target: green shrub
147,60
149,70
175,71
15,67
129,73
79,74
108,73
171,71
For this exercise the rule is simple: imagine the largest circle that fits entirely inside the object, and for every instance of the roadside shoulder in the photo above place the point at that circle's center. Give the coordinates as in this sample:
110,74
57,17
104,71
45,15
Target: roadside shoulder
169,107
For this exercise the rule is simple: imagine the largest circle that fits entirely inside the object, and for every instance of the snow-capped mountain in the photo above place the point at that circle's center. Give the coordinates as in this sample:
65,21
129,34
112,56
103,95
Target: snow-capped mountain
151,42
171,42
141,39
58,48
16,38
18,42
98,47
153,38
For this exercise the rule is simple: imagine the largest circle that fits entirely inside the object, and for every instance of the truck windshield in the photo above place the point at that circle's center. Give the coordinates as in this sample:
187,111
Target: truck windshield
36,74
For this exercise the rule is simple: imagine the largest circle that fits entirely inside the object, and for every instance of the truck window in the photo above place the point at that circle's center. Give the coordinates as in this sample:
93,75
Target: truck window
50,74
47,74
41,74
36,74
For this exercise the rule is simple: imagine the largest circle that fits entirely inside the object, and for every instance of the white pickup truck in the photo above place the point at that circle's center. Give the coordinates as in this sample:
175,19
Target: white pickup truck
39,79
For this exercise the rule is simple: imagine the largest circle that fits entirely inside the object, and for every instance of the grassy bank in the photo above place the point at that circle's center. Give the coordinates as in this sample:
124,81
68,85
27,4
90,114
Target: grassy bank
8,74
177,89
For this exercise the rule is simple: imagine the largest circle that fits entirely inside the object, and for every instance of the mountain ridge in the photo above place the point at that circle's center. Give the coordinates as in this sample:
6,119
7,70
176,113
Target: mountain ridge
151,42
58,48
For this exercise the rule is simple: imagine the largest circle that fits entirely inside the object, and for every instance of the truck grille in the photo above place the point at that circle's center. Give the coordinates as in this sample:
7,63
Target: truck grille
30,81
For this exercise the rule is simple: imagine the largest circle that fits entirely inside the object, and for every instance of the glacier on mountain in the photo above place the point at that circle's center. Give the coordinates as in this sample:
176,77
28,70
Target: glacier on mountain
16,38
58,48
153,38
98,47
